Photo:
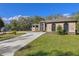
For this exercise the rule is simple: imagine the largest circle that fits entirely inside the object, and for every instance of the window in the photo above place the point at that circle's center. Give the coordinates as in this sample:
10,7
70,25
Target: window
36,25
33,26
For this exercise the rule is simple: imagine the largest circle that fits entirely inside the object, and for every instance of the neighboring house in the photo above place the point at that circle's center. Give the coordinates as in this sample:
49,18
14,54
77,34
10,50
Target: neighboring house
36,27
67,24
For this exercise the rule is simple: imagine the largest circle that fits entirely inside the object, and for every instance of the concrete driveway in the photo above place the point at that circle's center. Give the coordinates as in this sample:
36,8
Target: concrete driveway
9,47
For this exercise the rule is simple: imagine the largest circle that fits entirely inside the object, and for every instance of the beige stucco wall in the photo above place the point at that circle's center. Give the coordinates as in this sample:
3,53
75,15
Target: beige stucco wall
36,28
49,27
57,24
72,27
33,28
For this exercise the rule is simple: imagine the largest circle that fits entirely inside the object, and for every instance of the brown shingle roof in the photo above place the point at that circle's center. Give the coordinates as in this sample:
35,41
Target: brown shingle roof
61,20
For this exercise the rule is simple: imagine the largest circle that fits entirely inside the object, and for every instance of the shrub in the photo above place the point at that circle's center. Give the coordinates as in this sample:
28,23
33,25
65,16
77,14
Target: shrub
14,32
65,32
60,30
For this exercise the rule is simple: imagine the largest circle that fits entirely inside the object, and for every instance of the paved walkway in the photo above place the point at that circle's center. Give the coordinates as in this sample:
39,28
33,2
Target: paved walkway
9,47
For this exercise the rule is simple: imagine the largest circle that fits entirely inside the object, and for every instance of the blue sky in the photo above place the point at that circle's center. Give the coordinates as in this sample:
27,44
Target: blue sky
39,9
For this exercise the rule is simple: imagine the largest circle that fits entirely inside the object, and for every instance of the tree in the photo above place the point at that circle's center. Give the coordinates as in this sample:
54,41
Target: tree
8,26
1,23
76,17
56,16
21,23
14,24
37,19
24,23
49,18
77,27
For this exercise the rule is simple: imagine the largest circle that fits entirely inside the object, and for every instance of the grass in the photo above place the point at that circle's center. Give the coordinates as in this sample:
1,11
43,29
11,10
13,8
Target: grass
9,35
52,45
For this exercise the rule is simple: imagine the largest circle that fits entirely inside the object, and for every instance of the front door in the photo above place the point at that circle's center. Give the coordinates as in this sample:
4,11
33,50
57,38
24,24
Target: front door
66,27
53,26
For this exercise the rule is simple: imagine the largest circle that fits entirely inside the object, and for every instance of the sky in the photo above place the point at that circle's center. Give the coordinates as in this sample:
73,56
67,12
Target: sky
37,9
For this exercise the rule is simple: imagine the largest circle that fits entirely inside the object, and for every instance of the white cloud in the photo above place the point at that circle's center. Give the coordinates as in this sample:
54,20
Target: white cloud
7,20
4,18
67,15
16,17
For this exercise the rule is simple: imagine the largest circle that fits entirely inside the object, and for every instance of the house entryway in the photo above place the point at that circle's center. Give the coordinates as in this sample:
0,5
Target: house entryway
66,27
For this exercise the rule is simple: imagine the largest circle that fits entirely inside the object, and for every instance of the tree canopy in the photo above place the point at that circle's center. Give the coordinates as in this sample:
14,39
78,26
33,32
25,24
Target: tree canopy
37,19
1,23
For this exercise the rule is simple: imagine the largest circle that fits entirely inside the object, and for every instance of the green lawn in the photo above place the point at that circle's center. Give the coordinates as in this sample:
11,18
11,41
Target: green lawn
53,45
10,35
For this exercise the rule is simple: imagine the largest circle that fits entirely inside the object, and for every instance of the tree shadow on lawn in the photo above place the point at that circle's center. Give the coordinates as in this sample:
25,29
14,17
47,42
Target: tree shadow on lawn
52,53
61,53
1,37
39,53
46,53
25,47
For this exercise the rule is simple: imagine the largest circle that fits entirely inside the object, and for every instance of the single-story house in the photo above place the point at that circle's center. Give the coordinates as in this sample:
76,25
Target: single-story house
36,27
69,25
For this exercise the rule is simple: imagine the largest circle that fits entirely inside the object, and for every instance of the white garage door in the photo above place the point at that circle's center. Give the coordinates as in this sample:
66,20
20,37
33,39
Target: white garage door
49,28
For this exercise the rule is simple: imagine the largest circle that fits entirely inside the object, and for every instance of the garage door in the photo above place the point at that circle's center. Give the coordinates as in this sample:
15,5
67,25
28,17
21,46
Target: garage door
49,28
